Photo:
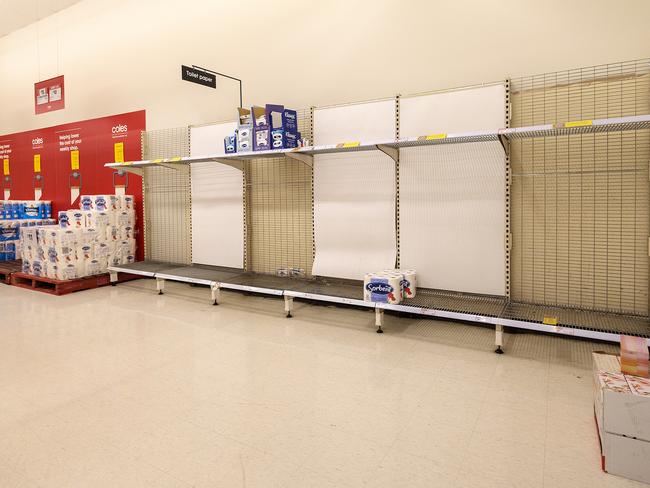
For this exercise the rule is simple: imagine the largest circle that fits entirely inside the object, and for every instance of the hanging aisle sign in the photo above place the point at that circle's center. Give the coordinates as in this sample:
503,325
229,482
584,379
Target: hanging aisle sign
49,95
198,76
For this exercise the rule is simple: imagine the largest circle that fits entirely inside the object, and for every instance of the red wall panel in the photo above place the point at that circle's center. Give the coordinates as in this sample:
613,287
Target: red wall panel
95,140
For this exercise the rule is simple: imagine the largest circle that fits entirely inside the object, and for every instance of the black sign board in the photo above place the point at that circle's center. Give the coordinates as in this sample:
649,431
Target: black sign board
198,76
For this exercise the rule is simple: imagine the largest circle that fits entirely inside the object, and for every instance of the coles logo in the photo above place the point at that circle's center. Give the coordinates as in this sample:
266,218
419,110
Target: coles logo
120,129
381,288
37,141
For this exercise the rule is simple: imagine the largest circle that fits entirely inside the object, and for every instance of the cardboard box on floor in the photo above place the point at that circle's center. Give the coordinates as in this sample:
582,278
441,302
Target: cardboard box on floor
622,411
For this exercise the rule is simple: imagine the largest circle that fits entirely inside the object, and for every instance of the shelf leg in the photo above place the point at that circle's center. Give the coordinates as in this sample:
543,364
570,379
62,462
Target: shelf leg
498,340
288,306
160,285
113,277
216,295
379,320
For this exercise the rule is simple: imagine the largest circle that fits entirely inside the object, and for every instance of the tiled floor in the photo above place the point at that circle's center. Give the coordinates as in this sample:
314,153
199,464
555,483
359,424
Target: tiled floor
119,387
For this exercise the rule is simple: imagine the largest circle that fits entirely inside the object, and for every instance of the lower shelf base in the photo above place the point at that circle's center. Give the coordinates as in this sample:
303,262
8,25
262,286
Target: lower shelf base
489,310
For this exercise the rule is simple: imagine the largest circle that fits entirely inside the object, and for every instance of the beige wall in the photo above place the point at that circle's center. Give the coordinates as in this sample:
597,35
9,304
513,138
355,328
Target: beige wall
123,55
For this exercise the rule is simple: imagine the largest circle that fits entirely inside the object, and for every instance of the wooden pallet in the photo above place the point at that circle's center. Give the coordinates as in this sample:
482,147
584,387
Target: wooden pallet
7,268
58,287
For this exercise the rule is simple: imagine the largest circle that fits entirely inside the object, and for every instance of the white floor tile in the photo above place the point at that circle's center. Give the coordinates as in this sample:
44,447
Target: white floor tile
120,387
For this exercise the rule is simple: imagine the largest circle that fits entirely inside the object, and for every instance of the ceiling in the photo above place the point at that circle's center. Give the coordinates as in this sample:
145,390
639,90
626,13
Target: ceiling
16,14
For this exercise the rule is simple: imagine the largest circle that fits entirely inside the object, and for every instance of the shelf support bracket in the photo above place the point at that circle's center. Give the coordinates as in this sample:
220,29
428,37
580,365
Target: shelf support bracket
135,171
233,163
169,166
389,151
505,143
307,159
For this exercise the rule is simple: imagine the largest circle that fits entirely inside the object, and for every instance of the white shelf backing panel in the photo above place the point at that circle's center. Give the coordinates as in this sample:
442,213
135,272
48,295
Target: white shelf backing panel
457,111
452,216
354,193
452,196
368,121
217,202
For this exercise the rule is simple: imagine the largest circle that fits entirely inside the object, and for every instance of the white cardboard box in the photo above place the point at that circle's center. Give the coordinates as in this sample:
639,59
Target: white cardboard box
623,420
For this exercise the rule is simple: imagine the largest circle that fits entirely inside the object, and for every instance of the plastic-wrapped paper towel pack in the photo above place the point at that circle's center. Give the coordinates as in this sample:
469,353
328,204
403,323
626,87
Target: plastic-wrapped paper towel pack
389,286
86,241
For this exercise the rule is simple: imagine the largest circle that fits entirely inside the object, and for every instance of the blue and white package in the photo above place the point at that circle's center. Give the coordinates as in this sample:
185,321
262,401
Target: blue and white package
37,267
25,209
100,203
31,210
64,222
230,144
244,138
291,139
87,202
284,140
277,139
261,140
382,288
9,231
290,120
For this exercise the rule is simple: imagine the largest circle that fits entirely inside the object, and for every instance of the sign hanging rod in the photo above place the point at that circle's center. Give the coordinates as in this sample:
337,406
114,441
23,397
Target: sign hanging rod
241,101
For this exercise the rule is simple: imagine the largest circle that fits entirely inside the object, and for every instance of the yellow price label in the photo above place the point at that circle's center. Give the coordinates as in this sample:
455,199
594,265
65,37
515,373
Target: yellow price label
74,160
5,167
174,159
550,321
156,161
37,163
126,163
349,144
579,123
432,137
118,149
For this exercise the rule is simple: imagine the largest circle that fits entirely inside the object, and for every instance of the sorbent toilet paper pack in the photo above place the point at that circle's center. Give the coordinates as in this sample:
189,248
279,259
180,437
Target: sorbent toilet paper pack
382,288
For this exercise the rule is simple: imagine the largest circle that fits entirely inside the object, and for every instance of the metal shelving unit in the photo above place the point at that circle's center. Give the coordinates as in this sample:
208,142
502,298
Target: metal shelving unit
391,148
497,311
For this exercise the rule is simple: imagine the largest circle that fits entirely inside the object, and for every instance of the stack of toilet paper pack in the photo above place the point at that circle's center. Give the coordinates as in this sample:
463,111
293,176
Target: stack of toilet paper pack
85,242
389,286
